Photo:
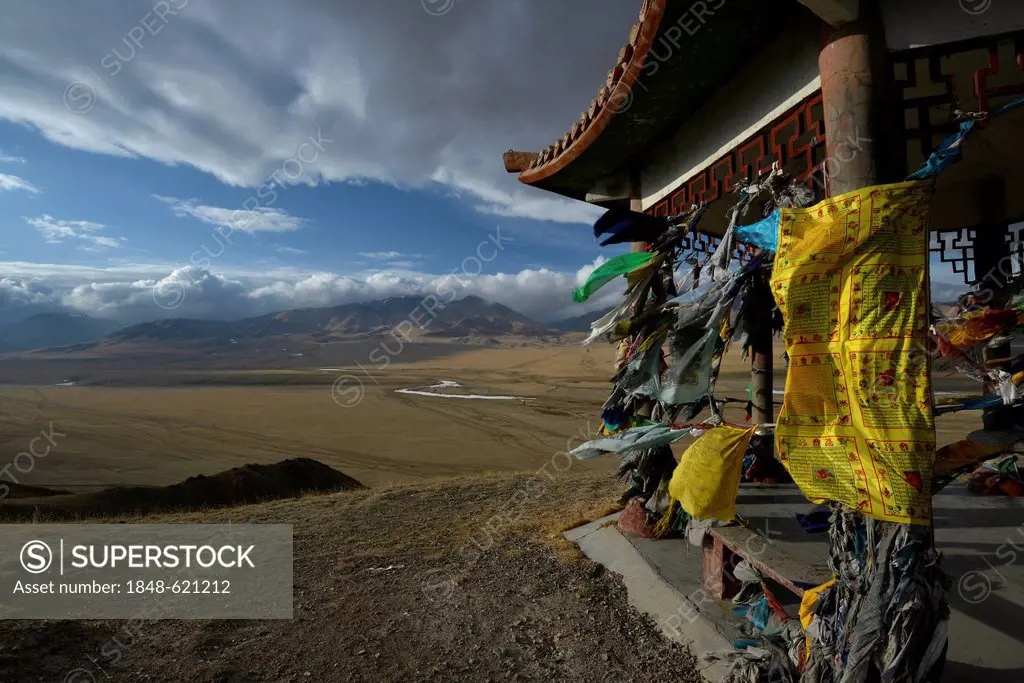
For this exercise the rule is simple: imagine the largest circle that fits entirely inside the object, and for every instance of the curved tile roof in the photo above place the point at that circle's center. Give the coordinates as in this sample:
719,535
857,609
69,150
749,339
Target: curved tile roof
614,97
678,54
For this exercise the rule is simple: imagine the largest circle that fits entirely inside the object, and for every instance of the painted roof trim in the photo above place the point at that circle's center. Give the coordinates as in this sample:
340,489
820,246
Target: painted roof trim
612,99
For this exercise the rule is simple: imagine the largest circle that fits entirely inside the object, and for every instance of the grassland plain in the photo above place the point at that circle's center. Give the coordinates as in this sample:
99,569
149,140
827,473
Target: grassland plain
158,435
407,580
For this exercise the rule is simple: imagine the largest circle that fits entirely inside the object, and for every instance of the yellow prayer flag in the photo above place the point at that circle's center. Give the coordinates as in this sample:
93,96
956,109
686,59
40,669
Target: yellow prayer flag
707,479
851,280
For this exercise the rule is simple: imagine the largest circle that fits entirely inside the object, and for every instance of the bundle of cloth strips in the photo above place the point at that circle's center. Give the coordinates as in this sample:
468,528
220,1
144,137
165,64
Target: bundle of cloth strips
680,311
867,459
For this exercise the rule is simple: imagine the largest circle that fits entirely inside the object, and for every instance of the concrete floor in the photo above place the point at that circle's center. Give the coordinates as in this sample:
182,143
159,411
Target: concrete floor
975,535
981,539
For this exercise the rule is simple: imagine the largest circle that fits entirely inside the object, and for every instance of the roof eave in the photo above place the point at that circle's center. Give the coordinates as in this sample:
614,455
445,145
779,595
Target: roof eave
613,98
649,95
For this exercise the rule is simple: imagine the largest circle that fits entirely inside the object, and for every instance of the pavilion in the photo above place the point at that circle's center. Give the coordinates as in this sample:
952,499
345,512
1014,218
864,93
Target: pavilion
840,94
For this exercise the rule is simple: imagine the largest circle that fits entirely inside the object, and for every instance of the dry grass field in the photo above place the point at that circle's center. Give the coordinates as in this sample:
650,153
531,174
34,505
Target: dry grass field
461,600
524,606
350,418
160,435
465,599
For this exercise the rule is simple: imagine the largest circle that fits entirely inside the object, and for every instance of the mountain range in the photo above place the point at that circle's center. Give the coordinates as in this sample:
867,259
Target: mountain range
53,329
469,319
580,323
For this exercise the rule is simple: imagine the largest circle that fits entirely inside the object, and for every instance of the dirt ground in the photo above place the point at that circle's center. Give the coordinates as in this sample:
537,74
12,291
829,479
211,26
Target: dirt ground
464,601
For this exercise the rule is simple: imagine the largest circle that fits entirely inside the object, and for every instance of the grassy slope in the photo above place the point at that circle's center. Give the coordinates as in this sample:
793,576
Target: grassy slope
527,606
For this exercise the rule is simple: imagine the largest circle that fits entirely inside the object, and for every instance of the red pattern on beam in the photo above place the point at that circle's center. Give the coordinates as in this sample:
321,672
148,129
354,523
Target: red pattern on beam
613,97
678,203
796,140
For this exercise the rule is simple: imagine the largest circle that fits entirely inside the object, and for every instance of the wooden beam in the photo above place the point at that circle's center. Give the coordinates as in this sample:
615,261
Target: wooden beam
834,12
517,162
762,380
636,203
604,198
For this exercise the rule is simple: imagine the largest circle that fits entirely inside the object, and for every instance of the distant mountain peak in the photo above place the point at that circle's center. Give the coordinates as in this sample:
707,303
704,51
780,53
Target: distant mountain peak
471,317
468,317
53,329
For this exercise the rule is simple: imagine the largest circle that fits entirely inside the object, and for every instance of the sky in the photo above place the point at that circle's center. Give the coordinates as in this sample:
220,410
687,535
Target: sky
187,158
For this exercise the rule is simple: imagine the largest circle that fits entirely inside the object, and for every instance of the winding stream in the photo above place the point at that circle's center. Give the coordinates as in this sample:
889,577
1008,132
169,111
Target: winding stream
449,384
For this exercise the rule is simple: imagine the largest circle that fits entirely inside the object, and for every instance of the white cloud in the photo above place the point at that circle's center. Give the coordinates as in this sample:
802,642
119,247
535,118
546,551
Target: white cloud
8,159
388,255
20,294
10,183
260,219
56,231
126,292
238,92
520,203
291,250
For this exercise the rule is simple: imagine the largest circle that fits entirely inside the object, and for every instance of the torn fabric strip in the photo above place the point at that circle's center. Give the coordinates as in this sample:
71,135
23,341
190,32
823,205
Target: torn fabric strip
851,280
617,314
763,234
632,440
623,264
625,225
693,342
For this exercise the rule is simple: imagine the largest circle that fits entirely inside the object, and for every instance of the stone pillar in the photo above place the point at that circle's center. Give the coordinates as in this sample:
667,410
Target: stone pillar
860,124
646,409
862,136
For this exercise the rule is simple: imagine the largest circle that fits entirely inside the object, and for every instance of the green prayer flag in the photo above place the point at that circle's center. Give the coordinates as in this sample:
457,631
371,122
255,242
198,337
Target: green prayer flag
620,265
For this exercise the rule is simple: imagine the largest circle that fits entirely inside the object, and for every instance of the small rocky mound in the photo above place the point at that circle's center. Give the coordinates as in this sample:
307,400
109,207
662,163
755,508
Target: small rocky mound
237,486
255,483
15,491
